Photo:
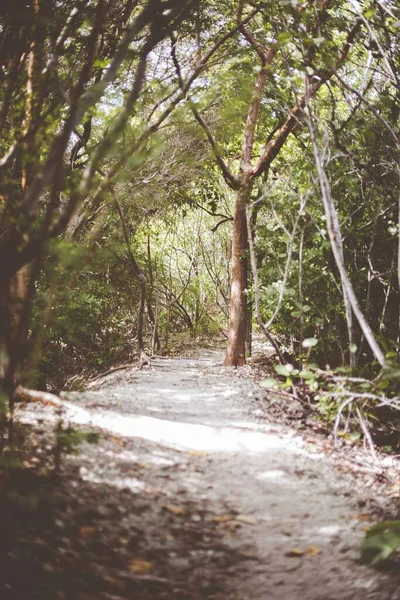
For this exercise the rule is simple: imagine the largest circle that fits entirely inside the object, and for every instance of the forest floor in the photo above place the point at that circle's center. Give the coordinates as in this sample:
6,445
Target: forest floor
199,488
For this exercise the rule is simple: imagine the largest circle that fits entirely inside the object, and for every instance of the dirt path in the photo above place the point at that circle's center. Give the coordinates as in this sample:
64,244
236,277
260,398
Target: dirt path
261,507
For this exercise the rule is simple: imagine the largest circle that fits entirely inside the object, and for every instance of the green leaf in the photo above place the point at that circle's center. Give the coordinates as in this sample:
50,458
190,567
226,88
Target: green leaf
309,342
380,542
353,348
342,370
284,37
284,370
286,238
269,383
101,62
366,385
318,41
307,375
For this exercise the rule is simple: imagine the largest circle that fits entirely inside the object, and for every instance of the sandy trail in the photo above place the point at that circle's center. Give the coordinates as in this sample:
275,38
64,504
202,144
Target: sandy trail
203,436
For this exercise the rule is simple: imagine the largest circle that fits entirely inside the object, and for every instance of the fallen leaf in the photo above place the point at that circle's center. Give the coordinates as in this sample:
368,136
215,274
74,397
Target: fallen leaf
314,550
246,519
362,517
140,566
295,552
87,532
197,453
310,551
178,511
223,518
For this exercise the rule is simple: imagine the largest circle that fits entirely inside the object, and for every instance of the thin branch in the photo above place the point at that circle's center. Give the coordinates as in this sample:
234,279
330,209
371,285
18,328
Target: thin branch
272,149
336,243
253,263
228,176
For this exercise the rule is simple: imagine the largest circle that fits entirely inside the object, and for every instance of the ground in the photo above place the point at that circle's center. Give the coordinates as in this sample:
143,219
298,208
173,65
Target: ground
194,492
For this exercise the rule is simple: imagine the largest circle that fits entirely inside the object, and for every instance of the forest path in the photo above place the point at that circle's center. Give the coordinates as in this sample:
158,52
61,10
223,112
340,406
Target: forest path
192,437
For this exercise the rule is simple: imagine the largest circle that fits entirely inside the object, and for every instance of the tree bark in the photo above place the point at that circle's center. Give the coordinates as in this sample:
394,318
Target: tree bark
236,351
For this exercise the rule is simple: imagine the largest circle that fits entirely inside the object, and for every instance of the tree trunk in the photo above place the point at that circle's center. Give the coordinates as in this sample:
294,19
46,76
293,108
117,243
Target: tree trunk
5,387
153,321
136,270
335,237
236,351
12,306
142,303
167,323
153,318
249,329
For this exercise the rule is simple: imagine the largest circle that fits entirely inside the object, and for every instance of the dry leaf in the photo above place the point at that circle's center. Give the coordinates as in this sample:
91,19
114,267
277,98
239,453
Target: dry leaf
140,566
362,517
310,551
197,453
87,532
236,519
223,518
246,519
295,552
314,550
178,511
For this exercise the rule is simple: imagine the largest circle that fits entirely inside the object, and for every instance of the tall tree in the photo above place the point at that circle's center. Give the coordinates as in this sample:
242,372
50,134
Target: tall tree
305,27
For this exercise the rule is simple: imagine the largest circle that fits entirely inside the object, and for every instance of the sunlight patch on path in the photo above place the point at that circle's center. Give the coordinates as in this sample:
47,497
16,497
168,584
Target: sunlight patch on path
183,436
189,436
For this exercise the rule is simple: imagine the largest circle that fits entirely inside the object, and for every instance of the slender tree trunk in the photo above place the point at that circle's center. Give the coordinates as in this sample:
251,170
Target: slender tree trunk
236,351
301,298
249,329
142,304
155,342
398,271
335,237
5,350
153,318
137,272
167,322
153,321
253,263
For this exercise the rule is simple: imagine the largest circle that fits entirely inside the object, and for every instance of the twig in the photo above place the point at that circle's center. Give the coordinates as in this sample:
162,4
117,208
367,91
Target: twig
367,435
338,417
113,370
